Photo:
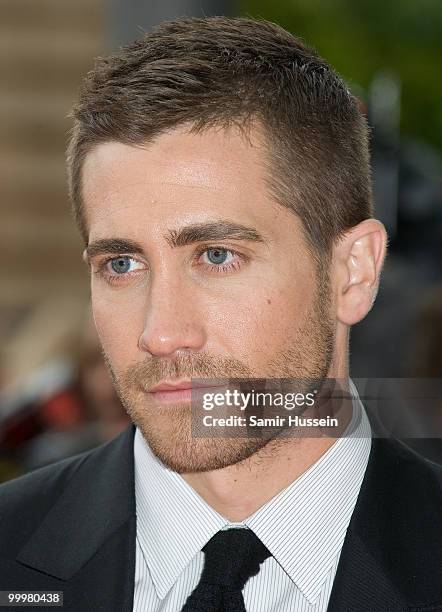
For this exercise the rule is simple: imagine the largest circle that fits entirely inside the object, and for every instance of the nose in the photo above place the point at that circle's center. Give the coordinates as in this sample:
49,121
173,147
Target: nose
173,320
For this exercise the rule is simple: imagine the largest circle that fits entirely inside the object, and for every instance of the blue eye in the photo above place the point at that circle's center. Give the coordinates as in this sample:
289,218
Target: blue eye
121,265
221,260
120,269
217,255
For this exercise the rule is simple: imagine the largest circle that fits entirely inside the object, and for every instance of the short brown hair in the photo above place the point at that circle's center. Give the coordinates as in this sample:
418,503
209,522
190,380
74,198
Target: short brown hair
233,71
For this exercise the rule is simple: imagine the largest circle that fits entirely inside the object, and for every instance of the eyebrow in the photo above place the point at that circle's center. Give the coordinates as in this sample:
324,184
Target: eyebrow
218,230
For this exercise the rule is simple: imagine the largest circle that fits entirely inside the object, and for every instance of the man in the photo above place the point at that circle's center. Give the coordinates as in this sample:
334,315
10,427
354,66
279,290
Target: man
219,173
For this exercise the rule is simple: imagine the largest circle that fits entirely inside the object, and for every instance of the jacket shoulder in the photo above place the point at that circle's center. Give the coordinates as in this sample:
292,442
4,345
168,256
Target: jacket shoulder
412,462
411,483
24,501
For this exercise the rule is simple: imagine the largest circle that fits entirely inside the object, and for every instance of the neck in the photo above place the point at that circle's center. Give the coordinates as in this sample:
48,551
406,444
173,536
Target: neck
237,491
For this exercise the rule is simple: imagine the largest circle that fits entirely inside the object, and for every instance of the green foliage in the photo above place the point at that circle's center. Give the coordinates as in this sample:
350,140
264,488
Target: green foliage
361,37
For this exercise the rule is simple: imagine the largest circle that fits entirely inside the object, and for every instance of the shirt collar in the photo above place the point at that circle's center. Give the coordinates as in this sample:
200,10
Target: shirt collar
303,526
173,521
313,513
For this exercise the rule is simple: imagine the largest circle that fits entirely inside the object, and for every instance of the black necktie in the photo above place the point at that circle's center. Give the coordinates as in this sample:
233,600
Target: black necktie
231,557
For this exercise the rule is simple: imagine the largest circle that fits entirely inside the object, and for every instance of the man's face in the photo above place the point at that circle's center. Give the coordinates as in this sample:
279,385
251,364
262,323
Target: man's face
218,302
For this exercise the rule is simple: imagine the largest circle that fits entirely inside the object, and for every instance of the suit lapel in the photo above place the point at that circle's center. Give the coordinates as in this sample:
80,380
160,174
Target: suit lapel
87,540
362,583
392,545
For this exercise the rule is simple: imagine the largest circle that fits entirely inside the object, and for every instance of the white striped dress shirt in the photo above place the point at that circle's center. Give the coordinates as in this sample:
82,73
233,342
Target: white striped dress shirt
303,527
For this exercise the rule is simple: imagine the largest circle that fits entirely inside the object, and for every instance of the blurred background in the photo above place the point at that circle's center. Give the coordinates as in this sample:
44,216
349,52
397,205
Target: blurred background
56,398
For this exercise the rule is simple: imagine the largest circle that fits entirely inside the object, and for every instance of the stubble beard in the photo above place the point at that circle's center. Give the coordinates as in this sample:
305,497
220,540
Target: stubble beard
167,429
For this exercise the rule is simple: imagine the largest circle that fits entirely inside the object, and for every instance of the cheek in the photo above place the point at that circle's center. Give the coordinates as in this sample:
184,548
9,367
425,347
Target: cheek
118,324
261,326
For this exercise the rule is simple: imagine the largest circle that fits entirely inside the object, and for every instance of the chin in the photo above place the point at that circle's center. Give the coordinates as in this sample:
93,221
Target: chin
179,450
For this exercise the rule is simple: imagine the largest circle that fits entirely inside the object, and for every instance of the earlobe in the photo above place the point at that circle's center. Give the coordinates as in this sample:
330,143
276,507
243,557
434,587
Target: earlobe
360,256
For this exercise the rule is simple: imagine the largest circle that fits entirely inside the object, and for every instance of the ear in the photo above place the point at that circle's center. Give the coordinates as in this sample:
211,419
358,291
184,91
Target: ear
85,257
359,256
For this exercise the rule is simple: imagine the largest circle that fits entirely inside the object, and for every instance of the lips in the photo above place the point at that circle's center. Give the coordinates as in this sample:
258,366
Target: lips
187,384
171,386
169,392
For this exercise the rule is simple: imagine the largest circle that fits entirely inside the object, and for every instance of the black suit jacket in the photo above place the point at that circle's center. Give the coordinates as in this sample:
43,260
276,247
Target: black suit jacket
71,527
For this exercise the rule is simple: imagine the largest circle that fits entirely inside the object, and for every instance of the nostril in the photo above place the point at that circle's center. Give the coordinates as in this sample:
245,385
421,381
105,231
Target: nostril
141,344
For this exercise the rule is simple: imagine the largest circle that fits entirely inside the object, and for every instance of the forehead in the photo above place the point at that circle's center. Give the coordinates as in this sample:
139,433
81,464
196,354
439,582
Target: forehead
180,175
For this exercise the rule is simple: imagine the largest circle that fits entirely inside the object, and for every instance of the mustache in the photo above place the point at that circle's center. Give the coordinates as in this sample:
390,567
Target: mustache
154,370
